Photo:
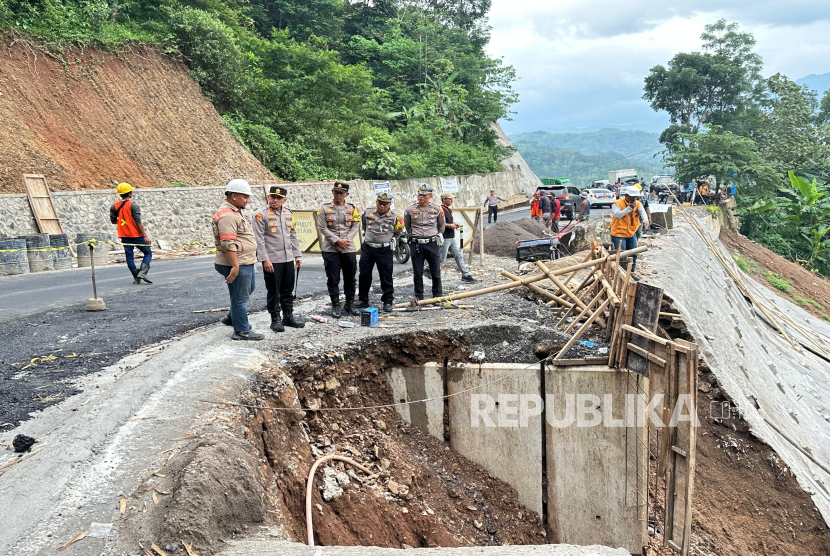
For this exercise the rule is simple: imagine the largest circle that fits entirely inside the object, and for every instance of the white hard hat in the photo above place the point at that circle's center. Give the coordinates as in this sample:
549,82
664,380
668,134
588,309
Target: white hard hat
632,191
238,186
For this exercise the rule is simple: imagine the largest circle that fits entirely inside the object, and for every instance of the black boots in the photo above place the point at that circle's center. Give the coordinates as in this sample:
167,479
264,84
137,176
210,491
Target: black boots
289,320
349,308
388,307
276,324
336,309
136,279
142,273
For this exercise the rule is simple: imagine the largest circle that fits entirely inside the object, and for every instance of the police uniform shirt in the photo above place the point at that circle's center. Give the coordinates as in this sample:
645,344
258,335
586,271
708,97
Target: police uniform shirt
424,222
381,228
232,231
275,235
338,222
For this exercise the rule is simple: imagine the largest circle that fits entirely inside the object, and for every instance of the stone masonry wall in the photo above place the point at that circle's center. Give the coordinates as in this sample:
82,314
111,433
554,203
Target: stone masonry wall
183,214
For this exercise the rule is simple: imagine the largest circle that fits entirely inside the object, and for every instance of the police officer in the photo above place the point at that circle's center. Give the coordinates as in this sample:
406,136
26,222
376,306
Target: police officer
424,222
278,250
382,226
338,222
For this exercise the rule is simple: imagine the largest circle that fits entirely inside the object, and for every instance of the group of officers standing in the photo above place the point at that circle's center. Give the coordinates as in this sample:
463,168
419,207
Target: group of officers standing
270,238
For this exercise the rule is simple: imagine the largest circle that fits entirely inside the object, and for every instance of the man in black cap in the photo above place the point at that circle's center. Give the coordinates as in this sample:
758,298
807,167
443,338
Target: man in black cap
338,223
279,251
425,223
381,226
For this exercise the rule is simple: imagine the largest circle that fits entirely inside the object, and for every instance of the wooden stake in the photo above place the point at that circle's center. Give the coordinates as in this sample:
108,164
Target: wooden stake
584,312
534,288
584,328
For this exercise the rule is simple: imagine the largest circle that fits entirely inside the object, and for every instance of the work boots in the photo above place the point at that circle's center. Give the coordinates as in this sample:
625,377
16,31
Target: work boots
289,320
362,305
142,273
276,323
336,309
136,279
349,308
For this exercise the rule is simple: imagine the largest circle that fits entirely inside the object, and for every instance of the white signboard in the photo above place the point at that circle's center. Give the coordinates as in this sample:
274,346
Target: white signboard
449,185
384,187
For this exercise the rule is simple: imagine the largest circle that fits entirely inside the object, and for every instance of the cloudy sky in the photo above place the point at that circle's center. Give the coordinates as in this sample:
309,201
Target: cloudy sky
581,63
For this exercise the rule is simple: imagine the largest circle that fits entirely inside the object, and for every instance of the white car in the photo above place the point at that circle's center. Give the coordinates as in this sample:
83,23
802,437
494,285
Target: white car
600,197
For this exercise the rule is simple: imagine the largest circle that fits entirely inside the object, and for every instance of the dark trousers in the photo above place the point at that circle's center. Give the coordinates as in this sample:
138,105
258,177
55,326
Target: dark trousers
370,257
429,252
280,287
129,251
334,263
493,212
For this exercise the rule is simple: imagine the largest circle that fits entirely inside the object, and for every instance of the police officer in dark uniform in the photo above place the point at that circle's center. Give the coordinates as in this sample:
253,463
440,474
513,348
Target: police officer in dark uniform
338,223
382,226
279,251
424,222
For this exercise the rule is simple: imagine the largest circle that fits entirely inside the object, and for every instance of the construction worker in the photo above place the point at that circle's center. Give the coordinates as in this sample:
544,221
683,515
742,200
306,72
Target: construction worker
584,207
424,222
535,213
126,215
492,204
544,208
449,238
278,249
382,226
338,222
235,256
627,216
555,212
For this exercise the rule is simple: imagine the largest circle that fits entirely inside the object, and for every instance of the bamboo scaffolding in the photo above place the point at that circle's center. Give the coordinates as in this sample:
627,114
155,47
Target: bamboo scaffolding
516,283
536,289
584,328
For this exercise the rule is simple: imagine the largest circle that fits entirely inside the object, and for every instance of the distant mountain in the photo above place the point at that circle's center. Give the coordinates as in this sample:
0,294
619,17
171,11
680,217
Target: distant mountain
819,82
584,157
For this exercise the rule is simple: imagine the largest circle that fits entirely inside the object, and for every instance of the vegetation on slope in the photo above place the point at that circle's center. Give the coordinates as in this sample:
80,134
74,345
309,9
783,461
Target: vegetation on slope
769,136
316,89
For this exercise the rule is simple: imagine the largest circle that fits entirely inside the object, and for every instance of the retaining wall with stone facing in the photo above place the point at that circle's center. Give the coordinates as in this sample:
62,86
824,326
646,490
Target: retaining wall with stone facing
184,214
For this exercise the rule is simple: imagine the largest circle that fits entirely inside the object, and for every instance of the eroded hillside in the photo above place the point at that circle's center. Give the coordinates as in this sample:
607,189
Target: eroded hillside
94,119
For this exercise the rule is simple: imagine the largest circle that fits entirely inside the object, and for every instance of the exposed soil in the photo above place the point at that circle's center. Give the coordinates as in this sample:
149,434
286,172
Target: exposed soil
746,501
92,119
805,284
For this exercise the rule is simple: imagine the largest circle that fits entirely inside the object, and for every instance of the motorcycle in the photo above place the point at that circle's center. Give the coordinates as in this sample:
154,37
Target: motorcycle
402,250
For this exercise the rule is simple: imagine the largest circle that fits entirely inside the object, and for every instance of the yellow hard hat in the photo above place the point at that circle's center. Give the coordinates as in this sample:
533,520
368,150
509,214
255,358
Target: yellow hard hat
638,186
124,187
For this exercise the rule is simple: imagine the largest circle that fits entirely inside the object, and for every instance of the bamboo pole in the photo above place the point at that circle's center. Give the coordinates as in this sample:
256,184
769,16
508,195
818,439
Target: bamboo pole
536,289
621,311
584,312
572,274
582,329
515,284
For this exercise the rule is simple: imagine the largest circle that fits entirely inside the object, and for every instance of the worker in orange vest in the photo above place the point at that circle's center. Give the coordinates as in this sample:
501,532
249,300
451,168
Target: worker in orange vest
126,215
627,216
535,213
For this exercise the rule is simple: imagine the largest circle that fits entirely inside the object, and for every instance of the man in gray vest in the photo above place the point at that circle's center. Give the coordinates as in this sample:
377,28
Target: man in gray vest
338,223
279,252
382,226
425,223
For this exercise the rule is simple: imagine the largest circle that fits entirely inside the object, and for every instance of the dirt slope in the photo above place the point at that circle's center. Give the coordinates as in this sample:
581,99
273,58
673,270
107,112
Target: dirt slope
103,118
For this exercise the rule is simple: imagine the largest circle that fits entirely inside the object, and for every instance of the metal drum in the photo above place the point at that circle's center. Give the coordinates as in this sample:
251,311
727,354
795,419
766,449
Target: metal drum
13,257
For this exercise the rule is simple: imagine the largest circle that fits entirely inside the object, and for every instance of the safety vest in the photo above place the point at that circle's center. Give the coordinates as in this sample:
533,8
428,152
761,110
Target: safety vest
124,222
534,208
628,225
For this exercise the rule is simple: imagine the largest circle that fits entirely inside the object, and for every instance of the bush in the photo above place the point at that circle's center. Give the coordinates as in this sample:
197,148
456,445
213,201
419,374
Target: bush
777,282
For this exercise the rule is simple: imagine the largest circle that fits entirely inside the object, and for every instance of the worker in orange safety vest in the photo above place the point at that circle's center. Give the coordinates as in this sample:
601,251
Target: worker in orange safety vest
627,216
126,215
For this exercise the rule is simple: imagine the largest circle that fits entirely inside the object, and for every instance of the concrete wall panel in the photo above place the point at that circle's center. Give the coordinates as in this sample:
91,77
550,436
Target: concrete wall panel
511,453
419,383
586,465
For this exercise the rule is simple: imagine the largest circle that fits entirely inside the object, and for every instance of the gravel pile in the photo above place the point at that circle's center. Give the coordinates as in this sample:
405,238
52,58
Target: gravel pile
500,239
530,225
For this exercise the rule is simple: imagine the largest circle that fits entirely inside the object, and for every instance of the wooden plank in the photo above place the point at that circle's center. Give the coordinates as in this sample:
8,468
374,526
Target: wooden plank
577,362
43,207
645,353
646,313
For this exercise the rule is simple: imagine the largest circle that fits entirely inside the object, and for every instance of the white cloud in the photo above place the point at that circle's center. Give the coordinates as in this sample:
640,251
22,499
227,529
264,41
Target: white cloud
581,63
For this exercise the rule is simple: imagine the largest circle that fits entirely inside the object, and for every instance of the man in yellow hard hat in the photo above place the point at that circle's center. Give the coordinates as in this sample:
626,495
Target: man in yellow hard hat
126,215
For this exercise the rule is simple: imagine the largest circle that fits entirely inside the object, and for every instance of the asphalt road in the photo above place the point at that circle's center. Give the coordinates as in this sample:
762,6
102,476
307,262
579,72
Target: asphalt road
524,212
48,339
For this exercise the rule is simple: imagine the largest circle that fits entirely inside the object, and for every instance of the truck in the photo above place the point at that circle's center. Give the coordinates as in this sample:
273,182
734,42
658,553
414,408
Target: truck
623,175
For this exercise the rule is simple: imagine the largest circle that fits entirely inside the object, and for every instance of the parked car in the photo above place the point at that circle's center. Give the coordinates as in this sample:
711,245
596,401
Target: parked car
567,194
599,197
664,183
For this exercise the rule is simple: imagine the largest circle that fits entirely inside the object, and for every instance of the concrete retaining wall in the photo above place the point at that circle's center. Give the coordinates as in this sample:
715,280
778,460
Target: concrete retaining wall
183,214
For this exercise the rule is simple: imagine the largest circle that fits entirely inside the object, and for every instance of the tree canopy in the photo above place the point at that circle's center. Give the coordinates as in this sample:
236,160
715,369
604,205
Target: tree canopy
317,89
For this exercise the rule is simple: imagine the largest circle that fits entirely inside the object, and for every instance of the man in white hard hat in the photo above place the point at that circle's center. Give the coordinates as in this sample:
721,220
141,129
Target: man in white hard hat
236,255
627,216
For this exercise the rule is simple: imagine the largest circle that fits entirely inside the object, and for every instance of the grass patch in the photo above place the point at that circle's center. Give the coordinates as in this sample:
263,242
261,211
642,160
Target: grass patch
747,265
799,300
778,282
815,304
825,316
176,184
